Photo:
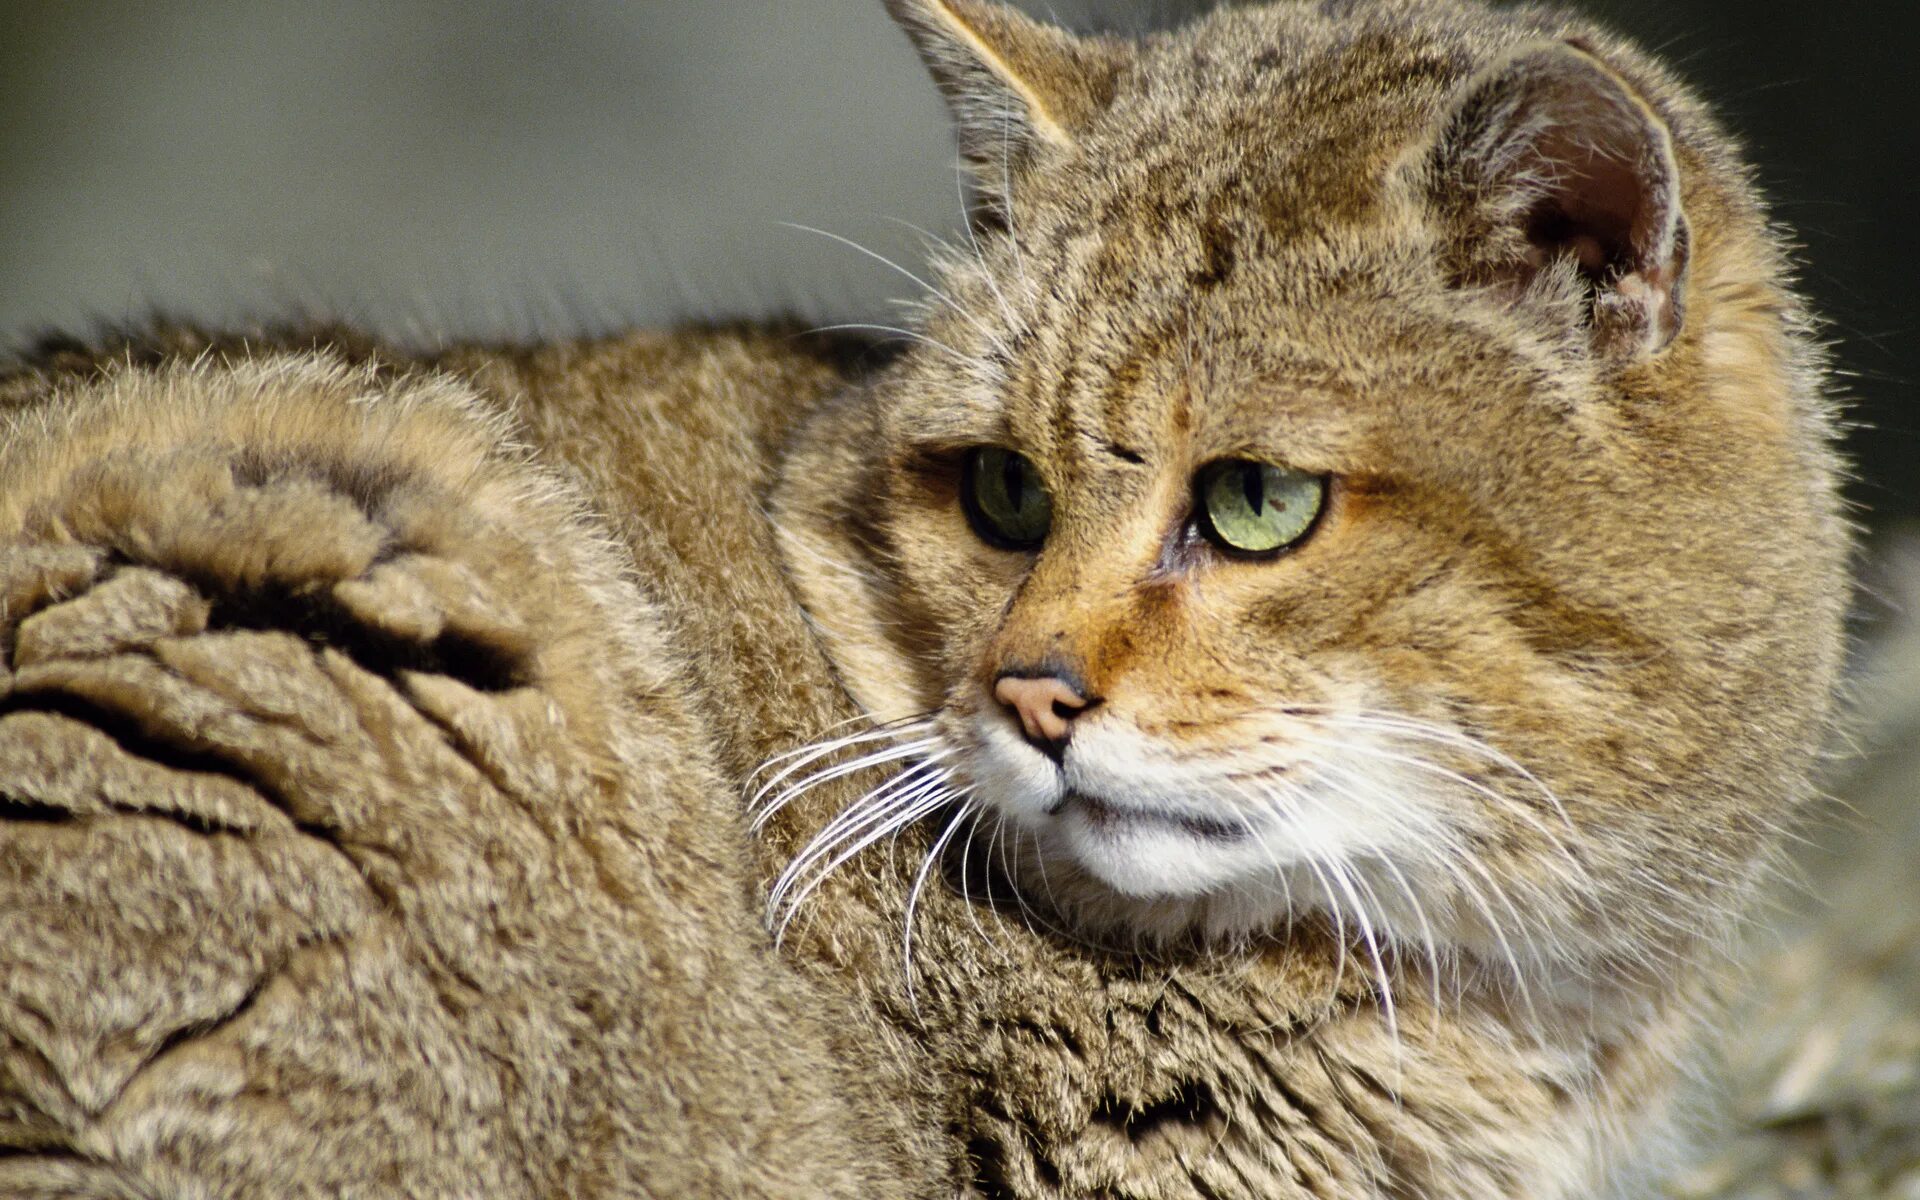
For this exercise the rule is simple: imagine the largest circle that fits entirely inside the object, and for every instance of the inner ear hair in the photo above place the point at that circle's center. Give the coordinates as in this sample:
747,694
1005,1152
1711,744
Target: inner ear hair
1551,157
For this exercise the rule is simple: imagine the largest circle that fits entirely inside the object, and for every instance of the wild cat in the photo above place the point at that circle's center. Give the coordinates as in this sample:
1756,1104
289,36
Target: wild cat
1347,566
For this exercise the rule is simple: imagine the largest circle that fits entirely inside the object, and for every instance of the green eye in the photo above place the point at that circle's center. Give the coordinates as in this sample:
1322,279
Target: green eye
1253,508
1004,498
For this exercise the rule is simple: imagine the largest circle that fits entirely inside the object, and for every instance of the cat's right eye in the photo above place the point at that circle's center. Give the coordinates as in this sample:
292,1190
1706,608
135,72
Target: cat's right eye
1004,498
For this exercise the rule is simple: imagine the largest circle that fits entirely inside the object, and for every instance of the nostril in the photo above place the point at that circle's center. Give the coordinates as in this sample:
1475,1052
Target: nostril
1045,706
1073,705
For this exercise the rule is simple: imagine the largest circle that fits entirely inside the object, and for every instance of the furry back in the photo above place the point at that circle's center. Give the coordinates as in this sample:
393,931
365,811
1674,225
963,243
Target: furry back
334,788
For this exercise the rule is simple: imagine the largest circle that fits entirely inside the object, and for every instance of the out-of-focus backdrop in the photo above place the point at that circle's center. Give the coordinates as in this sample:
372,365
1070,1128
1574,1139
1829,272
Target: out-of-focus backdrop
455,168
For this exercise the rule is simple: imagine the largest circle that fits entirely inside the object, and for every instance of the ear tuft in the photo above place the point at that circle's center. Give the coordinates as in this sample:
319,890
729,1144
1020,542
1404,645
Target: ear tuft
1551,158
1014,84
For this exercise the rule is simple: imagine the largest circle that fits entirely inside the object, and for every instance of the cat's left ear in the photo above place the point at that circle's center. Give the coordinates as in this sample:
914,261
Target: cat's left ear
1552,162
1015,86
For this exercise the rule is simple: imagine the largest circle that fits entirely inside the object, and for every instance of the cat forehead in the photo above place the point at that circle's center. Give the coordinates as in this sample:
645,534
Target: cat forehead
1338,386
1302,82
1243,232
1225,152
1307,46
1295,113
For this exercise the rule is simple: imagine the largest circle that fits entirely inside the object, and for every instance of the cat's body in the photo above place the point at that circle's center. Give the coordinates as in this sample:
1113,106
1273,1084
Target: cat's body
1570,614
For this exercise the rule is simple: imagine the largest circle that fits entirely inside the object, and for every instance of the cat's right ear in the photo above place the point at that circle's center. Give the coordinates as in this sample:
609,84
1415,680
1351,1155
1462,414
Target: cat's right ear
1016,87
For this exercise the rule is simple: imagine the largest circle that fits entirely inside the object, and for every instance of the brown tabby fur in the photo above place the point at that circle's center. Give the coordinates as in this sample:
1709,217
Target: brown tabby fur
374,725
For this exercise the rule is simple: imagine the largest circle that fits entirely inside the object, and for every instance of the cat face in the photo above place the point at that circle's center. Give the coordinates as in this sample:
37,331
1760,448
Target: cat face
1249,731
1329,485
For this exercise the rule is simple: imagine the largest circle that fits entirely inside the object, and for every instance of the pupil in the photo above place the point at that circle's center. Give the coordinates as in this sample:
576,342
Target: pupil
1253,481
1011,481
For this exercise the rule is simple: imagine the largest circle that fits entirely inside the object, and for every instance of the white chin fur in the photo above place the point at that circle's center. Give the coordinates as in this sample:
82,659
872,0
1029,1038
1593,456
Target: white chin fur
1154,861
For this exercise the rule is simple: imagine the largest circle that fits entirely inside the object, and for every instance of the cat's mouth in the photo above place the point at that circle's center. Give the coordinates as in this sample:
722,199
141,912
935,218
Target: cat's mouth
1110,819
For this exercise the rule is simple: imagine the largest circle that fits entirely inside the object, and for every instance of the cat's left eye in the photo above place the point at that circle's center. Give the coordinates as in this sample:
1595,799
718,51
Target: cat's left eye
1253,508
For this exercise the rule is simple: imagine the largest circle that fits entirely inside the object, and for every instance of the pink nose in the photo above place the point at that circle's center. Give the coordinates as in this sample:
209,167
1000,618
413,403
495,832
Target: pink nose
1046,708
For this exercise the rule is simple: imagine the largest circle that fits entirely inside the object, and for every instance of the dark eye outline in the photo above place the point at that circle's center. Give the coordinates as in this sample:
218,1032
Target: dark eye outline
983,525
1202,521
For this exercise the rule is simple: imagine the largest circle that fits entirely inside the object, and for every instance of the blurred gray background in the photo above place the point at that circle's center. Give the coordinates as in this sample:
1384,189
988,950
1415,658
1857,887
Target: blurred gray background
520,167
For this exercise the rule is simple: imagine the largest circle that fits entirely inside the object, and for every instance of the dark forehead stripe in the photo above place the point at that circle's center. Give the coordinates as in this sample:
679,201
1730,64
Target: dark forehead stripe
1131,386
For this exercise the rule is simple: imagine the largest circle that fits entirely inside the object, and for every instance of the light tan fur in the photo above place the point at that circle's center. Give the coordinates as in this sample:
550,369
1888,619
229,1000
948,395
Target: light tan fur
377,726
345,852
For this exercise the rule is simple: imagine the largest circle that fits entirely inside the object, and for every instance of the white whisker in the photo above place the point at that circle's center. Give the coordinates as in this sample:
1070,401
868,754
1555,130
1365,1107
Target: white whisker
947,257
978,325
926,801
814,751
873,810
913,901
966,865
1449,857
1505,802
852,767
1445,735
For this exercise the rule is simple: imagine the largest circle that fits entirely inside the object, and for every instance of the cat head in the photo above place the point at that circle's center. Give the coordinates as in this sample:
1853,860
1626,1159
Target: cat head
1360,461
